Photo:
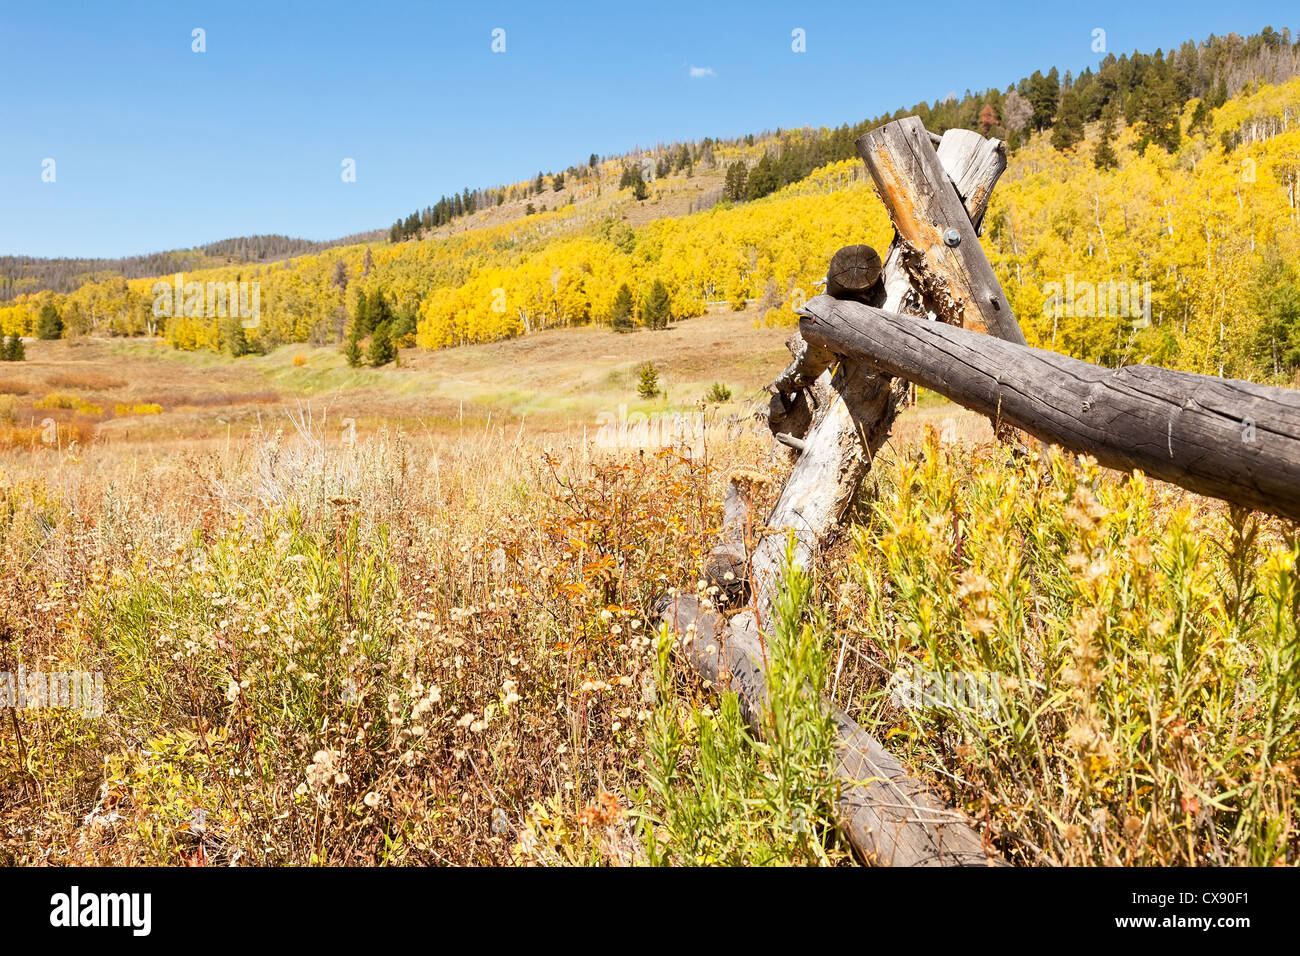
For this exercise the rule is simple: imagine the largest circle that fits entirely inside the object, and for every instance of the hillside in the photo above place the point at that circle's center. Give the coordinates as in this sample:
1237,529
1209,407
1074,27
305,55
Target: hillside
1179,129
126,392
1203,235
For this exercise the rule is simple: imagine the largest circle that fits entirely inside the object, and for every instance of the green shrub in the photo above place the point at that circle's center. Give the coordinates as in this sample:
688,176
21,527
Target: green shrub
352,352
12,349
722,797
621,317
647,385
657,311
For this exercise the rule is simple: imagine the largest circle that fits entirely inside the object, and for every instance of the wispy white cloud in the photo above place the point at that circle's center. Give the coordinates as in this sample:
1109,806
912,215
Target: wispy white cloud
699,72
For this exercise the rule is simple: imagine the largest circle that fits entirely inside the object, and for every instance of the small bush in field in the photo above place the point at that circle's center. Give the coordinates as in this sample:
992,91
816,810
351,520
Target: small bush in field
140,408
382,350
57,400
61,400
352,352
647,385
12,348
718,393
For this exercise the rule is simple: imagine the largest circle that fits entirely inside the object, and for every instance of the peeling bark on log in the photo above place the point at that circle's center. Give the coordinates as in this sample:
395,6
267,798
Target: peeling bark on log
889,818
1225,438
800,392
936,229
836,454
974,164
790,413
807,365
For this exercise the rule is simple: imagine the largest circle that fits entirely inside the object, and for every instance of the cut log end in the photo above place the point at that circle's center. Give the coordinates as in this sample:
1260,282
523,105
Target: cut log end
853,271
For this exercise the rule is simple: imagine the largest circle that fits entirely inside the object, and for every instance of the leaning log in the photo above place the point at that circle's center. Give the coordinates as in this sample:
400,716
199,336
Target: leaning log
889,818
801,391
1224,438
936,230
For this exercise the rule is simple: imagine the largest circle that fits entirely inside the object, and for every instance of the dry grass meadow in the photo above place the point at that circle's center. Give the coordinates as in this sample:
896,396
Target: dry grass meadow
399,616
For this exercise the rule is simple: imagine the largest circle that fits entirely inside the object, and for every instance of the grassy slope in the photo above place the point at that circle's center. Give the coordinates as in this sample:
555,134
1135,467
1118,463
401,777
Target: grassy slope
558,380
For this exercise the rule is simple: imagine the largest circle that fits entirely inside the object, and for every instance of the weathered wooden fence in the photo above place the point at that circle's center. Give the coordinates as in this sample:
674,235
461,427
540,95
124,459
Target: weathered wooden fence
1220,437
933,313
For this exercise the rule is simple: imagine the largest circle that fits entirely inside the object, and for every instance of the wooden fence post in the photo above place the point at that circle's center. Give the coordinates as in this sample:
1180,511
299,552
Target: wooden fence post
848,412
837,419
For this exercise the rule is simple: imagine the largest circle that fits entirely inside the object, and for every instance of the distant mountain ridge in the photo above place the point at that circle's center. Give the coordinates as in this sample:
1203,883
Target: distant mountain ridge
27,274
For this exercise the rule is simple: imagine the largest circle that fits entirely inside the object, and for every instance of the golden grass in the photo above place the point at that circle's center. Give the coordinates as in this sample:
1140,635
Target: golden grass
423,636
296,605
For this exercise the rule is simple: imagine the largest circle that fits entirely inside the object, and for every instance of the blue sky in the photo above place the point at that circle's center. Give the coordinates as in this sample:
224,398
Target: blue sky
159,147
